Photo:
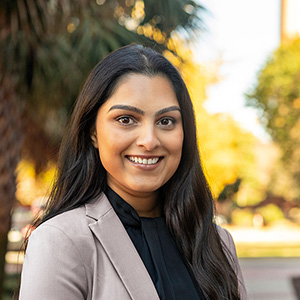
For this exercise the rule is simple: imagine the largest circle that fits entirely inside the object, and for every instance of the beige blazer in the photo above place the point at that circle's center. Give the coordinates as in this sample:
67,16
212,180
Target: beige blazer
86,253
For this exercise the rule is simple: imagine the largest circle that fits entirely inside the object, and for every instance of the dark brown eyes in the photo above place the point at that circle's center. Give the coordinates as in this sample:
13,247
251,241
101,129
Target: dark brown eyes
164,122
167,122
125,120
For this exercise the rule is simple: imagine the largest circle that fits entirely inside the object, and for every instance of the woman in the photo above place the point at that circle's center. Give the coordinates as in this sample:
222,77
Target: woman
138,223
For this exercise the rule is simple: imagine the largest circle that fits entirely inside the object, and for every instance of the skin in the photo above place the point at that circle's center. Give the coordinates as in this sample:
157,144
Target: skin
141,120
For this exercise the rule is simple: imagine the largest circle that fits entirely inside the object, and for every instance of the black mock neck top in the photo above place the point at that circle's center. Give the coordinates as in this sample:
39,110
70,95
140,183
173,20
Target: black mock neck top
158,251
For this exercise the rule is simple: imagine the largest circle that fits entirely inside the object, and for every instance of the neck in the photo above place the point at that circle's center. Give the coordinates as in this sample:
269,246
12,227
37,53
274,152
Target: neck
145,204
146,207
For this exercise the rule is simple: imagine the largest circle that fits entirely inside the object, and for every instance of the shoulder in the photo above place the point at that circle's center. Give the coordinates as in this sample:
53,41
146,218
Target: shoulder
57,233
66,230
230,251
226,238
228,244
69,222
56,260
72,227
64,240
75,223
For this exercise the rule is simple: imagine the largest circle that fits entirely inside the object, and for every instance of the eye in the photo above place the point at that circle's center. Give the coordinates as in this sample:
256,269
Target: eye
125,120
166,122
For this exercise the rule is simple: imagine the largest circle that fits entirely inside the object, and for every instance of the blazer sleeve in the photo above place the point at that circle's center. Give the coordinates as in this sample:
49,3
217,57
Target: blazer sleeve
232,256
53,268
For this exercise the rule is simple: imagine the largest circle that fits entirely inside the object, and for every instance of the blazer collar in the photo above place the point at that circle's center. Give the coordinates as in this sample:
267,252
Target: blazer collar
112,235
98,207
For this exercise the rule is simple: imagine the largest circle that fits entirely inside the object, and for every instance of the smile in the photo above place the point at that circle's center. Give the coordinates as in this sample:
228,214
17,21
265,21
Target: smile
143,161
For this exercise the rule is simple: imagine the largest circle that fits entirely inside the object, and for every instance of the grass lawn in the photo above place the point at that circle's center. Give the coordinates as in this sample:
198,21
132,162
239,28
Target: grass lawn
267,250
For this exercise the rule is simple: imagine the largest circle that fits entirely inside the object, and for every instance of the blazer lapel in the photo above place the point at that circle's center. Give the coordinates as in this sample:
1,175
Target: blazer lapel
112,235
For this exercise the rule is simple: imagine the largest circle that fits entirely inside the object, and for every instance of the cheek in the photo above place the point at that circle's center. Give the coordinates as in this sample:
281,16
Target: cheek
176,144
111,146
179,146
175,149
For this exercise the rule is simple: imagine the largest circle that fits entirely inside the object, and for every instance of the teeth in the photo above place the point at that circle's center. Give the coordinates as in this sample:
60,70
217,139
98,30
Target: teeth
144,161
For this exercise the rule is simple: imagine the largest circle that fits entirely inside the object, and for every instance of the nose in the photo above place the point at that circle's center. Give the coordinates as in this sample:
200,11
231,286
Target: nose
148,138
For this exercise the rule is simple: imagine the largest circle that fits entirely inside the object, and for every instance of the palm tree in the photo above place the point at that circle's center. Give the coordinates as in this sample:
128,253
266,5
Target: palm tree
47,48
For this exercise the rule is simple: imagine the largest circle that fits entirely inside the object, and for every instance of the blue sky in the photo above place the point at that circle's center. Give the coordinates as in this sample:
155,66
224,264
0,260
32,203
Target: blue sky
242,33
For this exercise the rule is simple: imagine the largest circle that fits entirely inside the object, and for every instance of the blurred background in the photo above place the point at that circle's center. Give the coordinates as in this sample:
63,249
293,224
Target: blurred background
241,63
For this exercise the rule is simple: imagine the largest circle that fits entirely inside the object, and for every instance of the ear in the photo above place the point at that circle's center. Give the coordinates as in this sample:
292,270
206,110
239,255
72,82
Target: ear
94,139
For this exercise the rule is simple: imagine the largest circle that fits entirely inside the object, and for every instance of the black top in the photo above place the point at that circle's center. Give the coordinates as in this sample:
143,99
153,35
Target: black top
158,251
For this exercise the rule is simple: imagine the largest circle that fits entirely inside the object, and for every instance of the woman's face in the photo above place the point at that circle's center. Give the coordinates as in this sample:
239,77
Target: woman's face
139,135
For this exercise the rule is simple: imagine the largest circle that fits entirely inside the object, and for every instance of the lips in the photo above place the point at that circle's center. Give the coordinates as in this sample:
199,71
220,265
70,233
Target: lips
143,160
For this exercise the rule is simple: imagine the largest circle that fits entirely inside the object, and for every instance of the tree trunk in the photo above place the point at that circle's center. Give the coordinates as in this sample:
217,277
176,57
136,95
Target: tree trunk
10,148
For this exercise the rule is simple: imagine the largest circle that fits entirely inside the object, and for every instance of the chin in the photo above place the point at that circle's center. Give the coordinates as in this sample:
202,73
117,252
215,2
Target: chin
145,188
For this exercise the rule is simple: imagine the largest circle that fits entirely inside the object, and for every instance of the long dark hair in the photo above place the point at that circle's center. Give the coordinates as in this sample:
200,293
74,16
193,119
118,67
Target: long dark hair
189,206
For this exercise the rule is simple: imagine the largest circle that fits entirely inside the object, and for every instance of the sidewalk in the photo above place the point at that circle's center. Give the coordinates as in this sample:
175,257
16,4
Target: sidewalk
270,278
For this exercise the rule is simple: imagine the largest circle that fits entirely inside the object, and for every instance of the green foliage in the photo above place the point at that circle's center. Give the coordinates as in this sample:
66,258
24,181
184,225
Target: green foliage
170,14
277,97
56,43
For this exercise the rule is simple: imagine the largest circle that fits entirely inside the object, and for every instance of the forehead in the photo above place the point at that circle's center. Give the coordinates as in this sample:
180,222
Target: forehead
143,90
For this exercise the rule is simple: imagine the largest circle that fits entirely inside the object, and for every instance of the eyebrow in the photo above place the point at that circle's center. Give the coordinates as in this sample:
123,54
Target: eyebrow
141,112
127,107
167,109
